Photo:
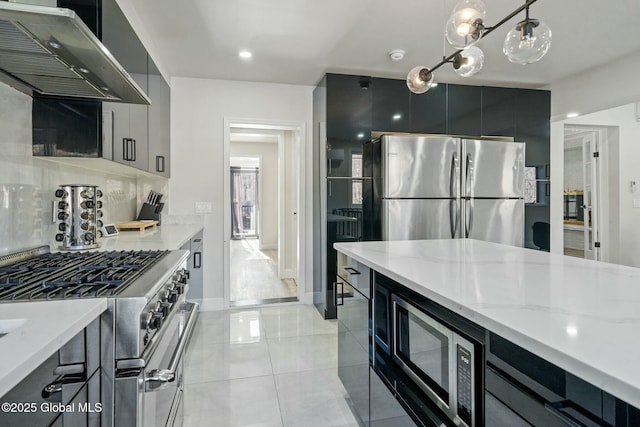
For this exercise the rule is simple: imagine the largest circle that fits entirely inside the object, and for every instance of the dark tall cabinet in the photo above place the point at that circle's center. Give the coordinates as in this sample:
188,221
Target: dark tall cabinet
348,109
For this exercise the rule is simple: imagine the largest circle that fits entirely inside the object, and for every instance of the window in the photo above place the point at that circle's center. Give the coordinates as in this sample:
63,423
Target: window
356,185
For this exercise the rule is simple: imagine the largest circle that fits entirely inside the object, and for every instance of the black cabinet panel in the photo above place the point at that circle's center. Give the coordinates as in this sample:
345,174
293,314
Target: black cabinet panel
429,110
66,127
348,121
88,10
498,111
391,105
532,111
464,114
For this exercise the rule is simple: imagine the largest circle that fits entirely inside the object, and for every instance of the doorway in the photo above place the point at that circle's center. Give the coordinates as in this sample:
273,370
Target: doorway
263,250
584,154
245,172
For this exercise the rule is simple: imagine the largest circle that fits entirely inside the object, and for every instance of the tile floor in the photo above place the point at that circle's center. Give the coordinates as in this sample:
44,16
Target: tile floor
254,273
263,367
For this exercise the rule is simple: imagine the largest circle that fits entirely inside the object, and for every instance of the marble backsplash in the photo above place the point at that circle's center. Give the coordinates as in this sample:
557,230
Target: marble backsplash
27,183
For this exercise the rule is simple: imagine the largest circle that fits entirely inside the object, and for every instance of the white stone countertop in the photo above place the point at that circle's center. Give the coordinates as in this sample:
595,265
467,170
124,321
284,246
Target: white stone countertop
583,316
41,328
169,237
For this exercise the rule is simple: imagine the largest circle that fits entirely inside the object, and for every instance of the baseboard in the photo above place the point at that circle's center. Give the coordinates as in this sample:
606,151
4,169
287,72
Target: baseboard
211,304
308,298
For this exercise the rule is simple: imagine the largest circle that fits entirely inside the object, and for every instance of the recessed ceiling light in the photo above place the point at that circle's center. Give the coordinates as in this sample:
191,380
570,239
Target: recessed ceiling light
434,84
572,115
361,135
245,54
54,45
83,70
397,117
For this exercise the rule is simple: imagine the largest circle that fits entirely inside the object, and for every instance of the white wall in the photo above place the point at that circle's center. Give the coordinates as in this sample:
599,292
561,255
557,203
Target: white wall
596,89
268,189
198,110
627,156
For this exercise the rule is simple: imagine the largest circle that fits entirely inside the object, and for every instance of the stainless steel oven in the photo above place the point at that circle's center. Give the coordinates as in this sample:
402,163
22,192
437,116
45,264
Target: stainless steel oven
148,391
438,359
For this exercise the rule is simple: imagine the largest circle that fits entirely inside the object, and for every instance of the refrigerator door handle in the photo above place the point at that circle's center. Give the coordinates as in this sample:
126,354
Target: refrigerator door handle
469,223
469,177
453,217
454,181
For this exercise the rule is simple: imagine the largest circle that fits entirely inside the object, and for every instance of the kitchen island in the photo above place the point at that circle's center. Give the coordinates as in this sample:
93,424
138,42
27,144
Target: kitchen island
579,315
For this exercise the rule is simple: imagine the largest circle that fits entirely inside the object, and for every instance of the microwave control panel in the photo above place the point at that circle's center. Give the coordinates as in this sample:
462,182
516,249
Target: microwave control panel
464,383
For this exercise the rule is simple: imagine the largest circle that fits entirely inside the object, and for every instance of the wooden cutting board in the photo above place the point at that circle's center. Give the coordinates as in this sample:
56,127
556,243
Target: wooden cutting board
136,225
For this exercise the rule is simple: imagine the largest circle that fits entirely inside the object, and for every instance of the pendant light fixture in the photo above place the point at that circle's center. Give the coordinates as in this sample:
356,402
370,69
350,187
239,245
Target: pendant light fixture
466,24
469,61
526,43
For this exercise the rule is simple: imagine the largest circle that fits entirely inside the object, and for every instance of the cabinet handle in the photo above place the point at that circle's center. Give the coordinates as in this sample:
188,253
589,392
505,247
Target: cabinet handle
125,148
197,240
159,163
197,260
335,293
133,151
351,270
554,408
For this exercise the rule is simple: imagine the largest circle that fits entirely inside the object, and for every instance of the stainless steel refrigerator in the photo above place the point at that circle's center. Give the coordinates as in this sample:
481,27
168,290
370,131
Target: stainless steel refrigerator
447,187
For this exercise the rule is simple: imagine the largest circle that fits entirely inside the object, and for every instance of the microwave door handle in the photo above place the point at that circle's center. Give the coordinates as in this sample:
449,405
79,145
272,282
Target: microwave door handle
158,378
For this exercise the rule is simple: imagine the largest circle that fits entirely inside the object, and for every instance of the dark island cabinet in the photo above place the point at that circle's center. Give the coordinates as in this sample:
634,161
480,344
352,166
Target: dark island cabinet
429,110
464,110
391,110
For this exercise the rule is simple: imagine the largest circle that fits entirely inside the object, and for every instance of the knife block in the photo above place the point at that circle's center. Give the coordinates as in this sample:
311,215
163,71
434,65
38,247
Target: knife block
149,212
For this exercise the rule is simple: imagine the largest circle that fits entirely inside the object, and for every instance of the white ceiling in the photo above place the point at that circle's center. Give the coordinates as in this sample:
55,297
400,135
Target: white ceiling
297,41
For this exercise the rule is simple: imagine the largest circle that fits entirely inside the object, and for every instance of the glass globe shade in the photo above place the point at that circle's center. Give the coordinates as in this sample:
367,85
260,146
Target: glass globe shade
527,42
419,79
464,27
469,62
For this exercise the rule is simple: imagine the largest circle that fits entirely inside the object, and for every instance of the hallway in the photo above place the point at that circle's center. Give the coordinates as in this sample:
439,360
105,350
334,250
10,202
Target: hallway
254,275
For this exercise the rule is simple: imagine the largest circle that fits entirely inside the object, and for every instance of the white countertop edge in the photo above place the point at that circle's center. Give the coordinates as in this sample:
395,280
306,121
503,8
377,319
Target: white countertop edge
614,385
49,325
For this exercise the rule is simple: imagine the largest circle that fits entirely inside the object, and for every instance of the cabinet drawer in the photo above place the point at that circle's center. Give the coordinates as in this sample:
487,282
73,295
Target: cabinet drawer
354,273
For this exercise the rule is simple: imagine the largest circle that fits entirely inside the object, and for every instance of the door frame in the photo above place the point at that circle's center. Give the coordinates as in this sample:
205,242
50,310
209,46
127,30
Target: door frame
602,183
299,131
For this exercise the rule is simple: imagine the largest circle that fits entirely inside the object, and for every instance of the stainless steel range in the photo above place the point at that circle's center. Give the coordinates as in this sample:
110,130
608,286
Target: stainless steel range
142,336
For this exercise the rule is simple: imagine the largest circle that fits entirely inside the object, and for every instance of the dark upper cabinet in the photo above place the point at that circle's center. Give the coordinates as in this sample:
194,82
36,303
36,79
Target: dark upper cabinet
90,11
159,122
429,110
498,111
464,110
125,125
391,105
131,134
348,125
66,127
532,124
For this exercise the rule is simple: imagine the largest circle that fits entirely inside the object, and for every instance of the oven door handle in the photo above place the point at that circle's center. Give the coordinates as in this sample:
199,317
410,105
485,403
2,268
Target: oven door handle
52,391
156,378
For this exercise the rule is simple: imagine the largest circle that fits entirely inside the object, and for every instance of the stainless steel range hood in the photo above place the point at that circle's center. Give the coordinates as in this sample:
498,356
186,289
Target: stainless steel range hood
52,51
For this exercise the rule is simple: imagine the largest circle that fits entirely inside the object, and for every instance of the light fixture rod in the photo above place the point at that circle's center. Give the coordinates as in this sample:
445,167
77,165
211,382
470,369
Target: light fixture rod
488,30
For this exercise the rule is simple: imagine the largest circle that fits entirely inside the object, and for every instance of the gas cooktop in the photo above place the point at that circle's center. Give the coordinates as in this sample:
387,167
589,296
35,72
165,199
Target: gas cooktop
47,276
